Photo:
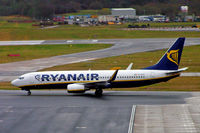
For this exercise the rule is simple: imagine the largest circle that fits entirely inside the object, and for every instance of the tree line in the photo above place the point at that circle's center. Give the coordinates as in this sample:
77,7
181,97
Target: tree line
47,8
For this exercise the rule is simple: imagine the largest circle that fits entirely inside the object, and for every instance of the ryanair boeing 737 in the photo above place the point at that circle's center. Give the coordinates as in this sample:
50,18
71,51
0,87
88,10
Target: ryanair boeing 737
81,81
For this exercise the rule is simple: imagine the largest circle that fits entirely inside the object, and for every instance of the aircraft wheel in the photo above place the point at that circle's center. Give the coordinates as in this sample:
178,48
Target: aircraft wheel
29,93
98,92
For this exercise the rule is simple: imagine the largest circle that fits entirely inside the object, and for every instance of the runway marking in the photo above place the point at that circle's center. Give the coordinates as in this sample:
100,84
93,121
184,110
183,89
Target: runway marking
81,127
31,42
132,118
191,74
94,40
188,125
82,60
69,41
9,111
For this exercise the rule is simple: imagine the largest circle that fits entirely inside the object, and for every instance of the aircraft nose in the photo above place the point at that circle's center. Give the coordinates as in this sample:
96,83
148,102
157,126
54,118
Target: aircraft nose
14,82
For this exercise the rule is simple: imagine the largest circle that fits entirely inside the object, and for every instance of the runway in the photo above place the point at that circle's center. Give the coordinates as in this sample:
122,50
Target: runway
57,111
120,47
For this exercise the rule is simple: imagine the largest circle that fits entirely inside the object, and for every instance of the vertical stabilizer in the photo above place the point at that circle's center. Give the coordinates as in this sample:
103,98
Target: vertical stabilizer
171,59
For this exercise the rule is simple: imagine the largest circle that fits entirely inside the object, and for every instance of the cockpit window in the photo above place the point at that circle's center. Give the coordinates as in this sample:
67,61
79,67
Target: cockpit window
21,78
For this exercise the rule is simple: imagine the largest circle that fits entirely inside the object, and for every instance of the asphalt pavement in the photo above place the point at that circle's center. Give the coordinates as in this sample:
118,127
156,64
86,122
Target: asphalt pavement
114,112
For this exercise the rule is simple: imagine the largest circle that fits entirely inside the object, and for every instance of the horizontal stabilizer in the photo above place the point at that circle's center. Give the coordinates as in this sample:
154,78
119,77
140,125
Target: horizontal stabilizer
178,71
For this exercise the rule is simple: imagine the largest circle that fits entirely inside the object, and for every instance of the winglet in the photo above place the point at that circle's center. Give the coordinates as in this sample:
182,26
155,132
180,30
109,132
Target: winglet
115,68
129,67
113,76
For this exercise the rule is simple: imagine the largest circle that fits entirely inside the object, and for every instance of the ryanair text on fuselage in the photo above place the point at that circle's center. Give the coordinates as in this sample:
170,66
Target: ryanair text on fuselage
67,77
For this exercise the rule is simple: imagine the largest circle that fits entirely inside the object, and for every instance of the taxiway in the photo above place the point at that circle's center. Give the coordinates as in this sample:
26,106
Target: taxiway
114,112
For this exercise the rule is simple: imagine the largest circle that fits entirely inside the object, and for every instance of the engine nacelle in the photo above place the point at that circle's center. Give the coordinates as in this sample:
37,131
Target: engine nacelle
76,88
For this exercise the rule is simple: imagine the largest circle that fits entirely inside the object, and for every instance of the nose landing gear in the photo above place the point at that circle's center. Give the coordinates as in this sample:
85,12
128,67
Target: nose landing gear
28,92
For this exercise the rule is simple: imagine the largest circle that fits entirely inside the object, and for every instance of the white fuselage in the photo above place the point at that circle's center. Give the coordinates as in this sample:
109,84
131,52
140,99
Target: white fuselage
60,79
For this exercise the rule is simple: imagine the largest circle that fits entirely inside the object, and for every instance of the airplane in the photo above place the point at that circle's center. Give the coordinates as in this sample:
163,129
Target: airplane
81,81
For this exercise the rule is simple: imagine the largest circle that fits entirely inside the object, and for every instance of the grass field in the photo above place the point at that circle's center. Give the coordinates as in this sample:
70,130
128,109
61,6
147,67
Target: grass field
25,31
28,52
7,86
190,58
171,24
14,17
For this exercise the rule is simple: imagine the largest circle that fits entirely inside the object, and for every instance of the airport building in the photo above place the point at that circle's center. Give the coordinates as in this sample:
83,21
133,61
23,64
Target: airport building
123,12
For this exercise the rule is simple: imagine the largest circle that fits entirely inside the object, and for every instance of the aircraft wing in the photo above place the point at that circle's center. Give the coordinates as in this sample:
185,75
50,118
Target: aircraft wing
102,84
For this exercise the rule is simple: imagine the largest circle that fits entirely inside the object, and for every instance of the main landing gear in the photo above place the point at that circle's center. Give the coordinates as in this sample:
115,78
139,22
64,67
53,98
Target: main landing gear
98,92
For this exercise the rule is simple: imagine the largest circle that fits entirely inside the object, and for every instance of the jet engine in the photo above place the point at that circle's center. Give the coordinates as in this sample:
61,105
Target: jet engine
76,88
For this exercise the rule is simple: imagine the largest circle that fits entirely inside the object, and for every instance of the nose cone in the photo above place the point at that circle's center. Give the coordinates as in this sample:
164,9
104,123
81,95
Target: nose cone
14,82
